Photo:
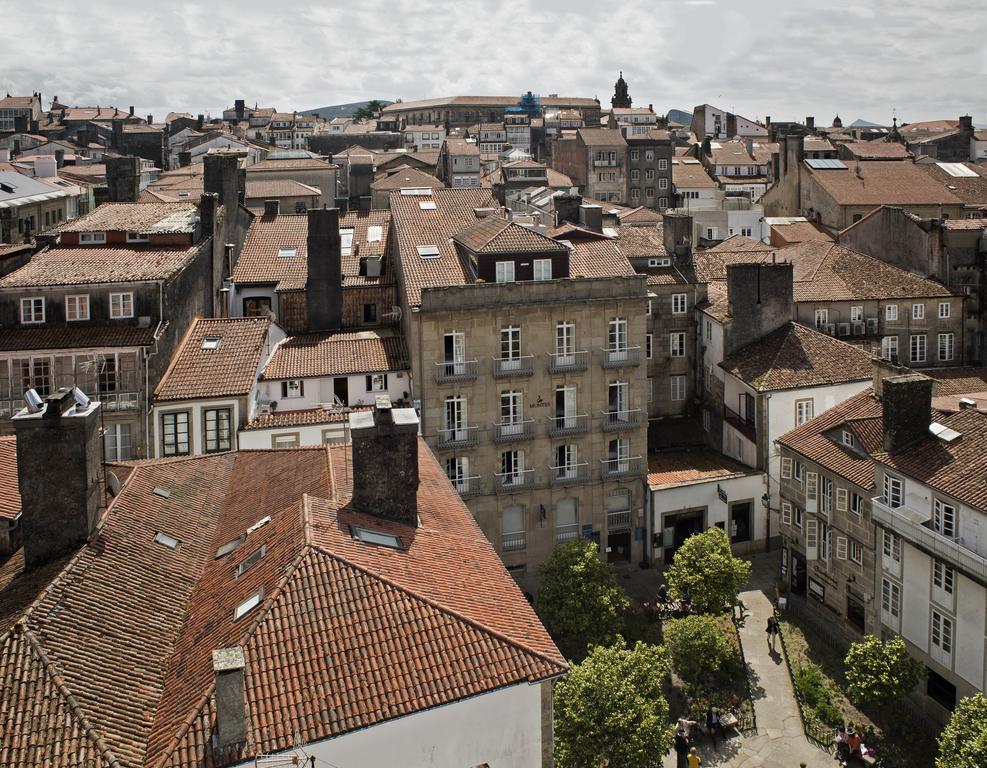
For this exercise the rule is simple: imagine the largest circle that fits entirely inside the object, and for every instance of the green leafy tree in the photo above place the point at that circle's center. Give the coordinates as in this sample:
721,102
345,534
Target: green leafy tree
611,710
877,672
705,568
368,110
963,742
579,599
696,647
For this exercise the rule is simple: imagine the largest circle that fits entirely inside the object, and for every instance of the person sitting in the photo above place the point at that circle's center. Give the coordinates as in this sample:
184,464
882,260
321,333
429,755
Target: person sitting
662,594
853,742
842,748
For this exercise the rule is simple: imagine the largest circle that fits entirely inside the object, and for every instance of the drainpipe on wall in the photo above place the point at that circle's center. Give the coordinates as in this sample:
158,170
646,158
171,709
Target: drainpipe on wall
767,476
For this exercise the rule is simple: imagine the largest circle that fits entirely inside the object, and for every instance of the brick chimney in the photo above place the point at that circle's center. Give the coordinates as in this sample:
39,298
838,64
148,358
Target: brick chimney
907,409
59,460
884,369
385,461
760,298
231,711
123,179
324,286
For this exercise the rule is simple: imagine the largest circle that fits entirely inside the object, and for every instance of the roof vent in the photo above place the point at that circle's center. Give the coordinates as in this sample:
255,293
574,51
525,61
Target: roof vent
966,402
230,546
164,493
482,213
165,540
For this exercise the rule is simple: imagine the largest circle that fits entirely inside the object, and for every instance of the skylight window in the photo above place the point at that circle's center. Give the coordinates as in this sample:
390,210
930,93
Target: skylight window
252,559
248,605
346,240
416,191
375,234
943,432
230,546
287,253
165,540
428,251
427,205
164,493
958,170
211,342
375,537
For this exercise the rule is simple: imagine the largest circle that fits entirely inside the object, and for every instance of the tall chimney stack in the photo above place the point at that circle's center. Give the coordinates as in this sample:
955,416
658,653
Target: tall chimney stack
907,407
220,178
385,461
123,179
677,234
760,299
231,711
59,459
324,286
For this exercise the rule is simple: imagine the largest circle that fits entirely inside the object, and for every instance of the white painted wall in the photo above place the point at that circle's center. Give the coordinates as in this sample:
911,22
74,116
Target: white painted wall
501,729
308,434
969,640
319,390
196,409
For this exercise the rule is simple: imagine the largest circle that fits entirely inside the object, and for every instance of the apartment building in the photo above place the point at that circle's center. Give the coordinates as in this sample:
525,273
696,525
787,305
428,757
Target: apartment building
527,364
469,110
649,167
312,171
19,111
596,160
693,188
882,528
418,137
884,309
737,167
459,163
716,123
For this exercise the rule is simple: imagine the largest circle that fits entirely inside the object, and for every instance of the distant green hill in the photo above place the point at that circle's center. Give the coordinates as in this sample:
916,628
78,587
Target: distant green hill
339,110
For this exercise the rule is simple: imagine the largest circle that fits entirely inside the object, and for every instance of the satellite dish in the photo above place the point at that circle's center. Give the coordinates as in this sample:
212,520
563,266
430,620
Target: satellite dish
81,399
113,484
33,400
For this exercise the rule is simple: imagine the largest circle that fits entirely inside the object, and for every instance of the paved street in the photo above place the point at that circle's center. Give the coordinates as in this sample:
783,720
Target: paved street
780,741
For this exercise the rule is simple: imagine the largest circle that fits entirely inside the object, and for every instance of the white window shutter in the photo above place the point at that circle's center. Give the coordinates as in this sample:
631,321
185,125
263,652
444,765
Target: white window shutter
841,499
811,491
841,547
786,469
811,538
786,513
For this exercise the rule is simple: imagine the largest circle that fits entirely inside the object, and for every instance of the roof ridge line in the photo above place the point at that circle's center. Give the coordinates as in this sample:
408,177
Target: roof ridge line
430,601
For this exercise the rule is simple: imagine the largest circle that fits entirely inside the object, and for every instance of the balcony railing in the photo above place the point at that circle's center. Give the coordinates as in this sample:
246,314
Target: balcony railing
620,356
513,366
468,486
462,370
628,467
741,424
509,431
567,474
512,542
606,163
618,520
119,401
615,421
566,532
9,407
505,482
560,426
902,520
564,362
459,437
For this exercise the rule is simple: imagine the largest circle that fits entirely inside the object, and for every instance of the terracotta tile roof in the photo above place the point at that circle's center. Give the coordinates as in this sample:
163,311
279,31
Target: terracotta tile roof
259,261
800,231
826,271
929,126
74,337
972,190
337,354
882,182
958,381
428,630
598,258
796,356
639,215
227,370
454,212
957,224
280,188
10,494
674,468
601,137
16,102
406,177
731,153
290,164
300,418
454,146
717,304
671,276
144,218
495,235
879,149
642,242
87,265
492,101
691,175
738,244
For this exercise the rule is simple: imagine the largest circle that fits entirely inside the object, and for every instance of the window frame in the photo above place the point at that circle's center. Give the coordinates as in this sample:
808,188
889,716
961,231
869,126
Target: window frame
120,299
77,299
32,303
176,417
220,445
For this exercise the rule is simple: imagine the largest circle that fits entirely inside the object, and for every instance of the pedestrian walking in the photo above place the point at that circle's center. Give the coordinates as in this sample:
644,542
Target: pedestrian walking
694,760
713,724
681,748
773,629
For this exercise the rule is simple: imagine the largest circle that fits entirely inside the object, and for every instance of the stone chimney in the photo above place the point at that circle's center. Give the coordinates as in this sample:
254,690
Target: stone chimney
966,123
907,410
385,462
199,122
184,159
238,106
884,369
231,710
59,460
150,119
591,217
131,111
59,158
567,208
123,179
324,288
810,123
272,208
677,234
760,299
221,178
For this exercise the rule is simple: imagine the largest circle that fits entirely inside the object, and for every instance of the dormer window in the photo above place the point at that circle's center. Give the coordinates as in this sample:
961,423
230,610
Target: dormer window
505,272
848,438
92,238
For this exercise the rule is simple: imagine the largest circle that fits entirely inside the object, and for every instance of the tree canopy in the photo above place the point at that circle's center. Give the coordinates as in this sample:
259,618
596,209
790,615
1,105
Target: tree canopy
706,570
963,742
879,671
611,710
695,646
579,599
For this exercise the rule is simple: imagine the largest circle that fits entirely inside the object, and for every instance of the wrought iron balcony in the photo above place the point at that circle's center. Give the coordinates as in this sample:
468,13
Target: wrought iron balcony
462,370
618,520
629,467
620,356
567,362
512,542
522,365
519,480
566,532
468,486
615,421
511,431
575,424
567,474
458,437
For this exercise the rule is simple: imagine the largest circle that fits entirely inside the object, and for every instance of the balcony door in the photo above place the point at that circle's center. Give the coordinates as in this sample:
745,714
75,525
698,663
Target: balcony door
565,344
456,418
619,454
510,348
617,339
618,399
565,407
455,353
510,413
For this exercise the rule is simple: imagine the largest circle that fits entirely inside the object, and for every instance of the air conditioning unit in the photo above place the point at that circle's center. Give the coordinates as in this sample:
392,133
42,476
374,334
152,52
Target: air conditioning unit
872,325
858,329
844,329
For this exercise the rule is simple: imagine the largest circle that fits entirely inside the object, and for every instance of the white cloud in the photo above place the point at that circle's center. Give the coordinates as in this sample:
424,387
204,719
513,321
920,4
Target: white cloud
925,58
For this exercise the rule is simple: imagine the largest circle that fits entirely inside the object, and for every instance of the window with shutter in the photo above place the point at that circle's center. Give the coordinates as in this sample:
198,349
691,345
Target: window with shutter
786,513
841,547
841,499
786,469
811,491
811,539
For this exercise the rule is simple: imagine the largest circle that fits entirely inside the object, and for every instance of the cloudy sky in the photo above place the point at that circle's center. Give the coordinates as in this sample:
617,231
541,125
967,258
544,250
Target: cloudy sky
926,59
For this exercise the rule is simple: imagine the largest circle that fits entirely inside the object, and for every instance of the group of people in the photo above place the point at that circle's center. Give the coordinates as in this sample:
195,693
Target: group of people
849,745
680,607
685,753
